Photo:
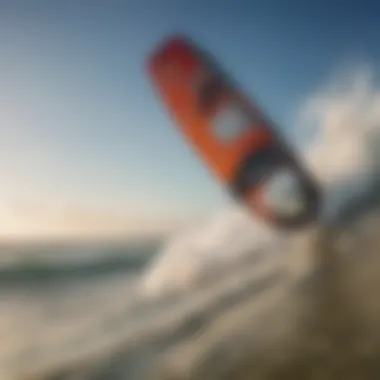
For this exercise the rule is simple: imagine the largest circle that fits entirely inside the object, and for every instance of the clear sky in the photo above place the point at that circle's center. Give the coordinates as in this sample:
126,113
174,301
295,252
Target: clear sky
84,142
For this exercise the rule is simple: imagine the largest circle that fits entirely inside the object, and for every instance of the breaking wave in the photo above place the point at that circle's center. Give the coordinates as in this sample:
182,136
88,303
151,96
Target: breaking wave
38,263
338,137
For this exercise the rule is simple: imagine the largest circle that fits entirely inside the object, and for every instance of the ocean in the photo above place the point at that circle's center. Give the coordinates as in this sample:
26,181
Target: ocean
51,293
87,316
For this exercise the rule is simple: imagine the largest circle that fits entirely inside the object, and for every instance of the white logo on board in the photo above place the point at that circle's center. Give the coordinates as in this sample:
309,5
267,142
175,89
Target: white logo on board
231,123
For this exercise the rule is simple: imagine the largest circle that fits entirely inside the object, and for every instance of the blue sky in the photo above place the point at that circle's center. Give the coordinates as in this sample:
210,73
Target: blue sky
84,141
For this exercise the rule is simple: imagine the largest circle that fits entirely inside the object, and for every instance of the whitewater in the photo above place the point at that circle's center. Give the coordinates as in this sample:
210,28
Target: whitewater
194,306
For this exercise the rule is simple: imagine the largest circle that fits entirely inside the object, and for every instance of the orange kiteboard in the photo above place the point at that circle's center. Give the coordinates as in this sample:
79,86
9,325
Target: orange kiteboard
229,132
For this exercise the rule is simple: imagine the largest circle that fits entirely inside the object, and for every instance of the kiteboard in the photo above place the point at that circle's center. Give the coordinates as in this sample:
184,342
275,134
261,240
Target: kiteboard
231,134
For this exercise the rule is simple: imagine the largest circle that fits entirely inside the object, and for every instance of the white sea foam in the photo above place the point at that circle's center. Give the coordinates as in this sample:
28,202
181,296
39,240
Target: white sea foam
341,123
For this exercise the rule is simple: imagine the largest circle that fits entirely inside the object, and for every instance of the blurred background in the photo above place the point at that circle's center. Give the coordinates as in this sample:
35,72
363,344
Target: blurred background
122,258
